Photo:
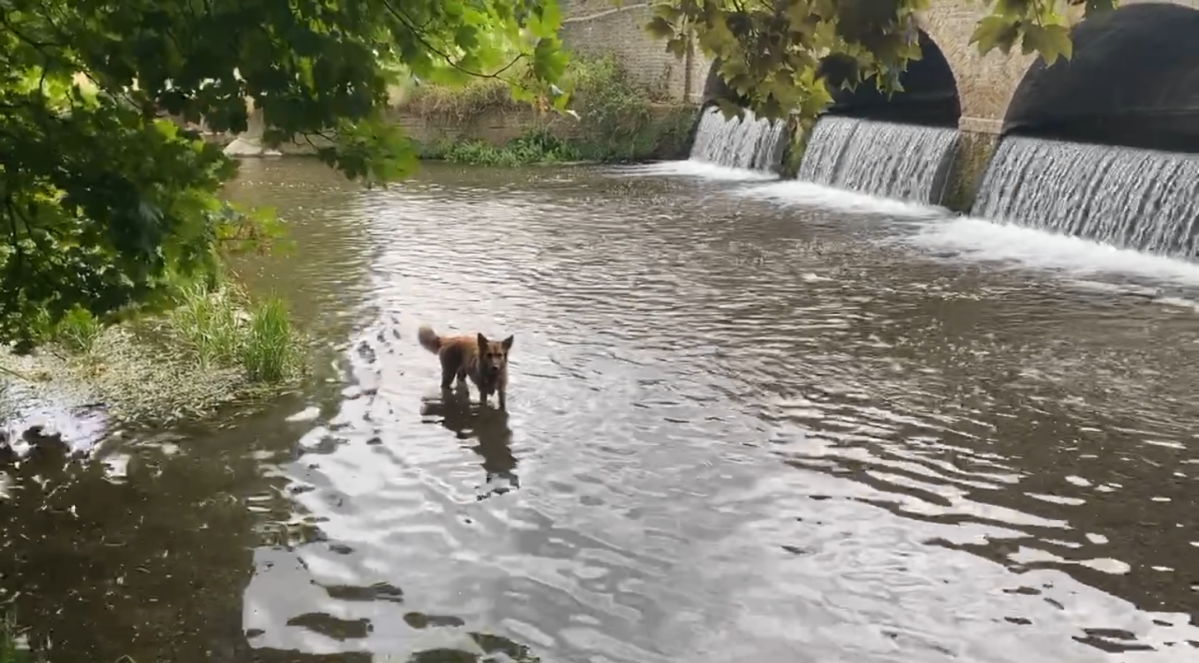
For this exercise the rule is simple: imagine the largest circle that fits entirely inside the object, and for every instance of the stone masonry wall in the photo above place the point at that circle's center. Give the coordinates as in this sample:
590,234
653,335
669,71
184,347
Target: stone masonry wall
599,27
985,83
499,126
494,126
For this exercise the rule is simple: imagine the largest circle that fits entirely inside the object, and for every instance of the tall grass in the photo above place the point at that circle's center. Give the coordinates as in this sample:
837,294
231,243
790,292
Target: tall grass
77,331
207,321
223,327
268,351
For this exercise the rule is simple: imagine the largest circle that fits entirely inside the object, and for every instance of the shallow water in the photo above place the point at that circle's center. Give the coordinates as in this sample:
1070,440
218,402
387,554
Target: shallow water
747,421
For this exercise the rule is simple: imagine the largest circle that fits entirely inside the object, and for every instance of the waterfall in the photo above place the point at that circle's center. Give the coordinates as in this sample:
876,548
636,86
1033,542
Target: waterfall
1135,199
903,161
748,142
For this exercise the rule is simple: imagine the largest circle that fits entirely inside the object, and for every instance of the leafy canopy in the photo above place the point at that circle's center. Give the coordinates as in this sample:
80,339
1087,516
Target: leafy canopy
782,56
107,204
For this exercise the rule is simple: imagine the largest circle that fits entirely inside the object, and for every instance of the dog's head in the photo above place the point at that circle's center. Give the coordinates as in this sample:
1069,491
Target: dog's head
493,355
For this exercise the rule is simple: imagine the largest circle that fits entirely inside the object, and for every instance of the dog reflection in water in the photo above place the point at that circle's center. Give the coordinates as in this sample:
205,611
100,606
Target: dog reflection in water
488,427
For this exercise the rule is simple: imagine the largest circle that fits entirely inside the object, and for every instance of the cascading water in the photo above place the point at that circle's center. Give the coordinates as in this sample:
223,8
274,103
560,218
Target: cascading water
1136,199
903,161
748,143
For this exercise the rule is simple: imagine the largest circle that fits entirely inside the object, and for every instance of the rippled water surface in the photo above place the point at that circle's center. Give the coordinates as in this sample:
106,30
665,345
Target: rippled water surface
738,430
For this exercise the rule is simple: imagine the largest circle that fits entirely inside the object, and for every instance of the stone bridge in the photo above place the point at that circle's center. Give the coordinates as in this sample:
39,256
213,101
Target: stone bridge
1123,67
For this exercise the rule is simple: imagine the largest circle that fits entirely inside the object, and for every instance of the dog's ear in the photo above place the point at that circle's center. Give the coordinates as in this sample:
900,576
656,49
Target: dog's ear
507,343
482,341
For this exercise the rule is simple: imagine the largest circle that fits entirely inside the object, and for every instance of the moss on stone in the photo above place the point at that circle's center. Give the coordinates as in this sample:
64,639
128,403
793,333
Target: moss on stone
973,156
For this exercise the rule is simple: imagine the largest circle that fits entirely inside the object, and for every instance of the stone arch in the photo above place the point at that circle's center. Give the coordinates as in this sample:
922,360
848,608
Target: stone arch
1133,80
929,96
985,83
716,88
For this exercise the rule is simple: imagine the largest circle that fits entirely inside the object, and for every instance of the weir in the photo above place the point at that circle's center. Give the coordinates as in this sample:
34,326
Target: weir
902,161
1130,198
749,142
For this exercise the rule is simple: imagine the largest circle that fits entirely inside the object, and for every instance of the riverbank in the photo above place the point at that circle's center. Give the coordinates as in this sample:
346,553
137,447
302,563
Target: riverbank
217,348
611,118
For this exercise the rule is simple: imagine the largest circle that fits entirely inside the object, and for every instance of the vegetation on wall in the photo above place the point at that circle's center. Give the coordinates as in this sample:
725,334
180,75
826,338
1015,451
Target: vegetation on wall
781,57
535,146
612,118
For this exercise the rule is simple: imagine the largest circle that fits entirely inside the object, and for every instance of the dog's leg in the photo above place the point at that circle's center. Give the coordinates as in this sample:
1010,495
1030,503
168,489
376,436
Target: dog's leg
503,398
451,365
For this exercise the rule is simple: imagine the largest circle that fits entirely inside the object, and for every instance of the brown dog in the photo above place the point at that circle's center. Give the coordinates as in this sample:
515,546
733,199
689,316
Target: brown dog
484,361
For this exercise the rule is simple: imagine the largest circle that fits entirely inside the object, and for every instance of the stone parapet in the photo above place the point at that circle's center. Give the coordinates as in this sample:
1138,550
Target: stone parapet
981,125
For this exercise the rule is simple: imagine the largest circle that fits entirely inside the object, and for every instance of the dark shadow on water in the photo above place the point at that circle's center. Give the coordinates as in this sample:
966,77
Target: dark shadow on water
142,549
488,426
493,649
98,564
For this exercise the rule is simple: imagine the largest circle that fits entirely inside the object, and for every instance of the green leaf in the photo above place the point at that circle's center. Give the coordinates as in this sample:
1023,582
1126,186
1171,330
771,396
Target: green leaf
817,99
1051,41
1012,10
109,205
729,109
668,12
660,28
677,46
995,32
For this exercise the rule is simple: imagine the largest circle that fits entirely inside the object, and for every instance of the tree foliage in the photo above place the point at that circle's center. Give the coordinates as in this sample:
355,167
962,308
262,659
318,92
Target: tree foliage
106,204
780,57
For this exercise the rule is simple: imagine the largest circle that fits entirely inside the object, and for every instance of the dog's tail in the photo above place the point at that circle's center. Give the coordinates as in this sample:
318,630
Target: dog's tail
429,339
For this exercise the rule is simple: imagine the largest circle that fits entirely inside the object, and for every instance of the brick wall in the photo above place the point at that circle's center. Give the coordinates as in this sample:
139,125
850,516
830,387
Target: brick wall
986,83
497,126
598,27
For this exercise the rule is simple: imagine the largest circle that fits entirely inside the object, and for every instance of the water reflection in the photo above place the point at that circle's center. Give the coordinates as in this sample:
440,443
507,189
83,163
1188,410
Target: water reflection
737,431
488,426
143,555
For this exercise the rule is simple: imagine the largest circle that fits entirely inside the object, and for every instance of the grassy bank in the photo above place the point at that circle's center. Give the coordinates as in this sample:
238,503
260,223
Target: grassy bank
217,346
613,119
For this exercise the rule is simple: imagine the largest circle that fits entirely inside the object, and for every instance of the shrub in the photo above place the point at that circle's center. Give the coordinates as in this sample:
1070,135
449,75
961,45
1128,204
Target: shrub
461,104
222,327
268,351
206,320
77,331
536,146
616,120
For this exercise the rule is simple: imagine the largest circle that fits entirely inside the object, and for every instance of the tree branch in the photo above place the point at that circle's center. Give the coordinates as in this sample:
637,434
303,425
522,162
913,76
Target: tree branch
417,33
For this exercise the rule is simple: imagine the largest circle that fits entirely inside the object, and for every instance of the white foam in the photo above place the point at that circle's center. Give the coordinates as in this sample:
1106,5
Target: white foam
985,241
694,168
808,194
935,229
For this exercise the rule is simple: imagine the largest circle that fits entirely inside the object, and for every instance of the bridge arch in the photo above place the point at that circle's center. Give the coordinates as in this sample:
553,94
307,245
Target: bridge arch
929,96
1133,80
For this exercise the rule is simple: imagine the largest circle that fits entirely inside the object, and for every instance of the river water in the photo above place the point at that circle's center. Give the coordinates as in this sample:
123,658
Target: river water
748,421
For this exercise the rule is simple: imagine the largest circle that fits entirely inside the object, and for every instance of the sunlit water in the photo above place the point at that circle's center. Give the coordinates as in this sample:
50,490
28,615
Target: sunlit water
748,422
